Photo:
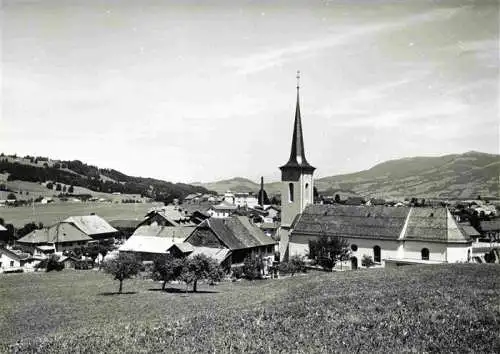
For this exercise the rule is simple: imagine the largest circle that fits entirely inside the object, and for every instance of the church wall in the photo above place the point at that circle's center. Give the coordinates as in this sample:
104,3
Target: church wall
299,245
458,253
413,250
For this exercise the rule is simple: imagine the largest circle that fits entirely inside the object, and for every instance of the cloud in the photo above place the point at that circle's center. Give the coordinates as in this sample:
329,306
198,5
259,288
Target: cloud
277,57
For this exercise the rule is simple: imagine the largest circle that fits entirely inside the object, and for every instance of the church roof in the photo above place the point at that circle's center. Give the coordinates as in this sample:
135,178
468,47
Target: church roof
297,158
352,221
381,222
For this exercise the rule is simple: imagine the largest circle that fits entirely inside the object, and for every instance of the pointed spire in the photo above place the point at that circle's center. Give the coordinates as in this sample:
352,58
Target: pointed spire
297,154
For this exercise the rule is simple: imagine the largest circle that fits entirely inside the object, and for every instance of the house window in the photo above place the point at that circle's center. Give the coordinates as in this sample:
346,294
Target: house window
11,263
290,192
425,254
376,254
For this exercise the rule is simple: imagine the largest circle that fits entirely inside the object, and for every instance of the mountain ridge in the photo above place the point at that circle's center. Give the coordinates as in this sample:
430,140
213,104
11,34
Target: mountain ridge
463,175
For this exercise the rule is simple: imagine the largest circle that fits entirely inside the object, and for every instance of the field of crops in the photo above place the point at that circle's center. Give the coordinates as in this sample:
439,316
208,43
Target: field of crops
424,309
49,214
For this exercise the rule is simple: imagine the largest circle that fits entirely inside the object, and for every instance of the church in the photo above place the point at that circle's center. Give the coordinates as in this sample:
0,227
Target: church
391,236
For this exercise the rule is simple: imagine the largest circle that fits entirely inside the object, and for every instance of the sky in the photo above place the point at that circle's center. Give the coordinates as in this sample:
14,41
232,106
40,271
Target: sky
205,90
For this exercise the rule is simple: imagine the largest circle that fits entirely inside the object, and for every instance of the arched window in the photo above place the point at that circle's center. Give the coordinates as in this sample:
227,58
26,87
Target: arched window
425,254
290,192
376,254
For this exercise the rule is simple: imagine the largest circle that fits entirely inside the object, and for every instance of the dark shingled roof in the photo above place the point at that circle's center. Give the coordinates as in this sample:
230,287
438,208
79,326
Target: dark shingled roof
434,224
237,232
381,222
491,225
352,221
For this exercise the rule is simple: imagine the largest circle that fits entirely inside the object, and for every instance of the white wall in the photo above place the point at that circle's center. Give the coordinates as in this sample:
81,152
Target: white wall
6,262
413,250
458,253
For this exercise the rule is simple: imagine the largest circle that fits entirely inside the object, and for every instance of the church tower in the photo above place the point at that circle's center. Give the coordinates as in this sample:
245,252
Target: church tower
296,180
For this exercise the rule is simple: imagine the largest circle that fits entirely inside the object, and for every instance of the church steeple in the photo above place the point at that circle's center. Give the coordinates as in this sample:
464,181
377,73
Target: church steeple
297,158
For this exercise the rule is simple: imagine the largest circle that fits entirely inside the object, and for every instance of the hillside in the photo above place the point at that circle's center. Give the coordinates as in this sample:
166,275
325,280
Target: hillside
451,176
23,174
422,309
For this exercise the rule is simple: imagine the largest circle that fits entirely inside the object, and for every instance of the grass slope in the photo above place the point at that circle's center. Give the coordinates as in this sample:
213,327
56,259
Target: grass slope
51,213
450,308
451,176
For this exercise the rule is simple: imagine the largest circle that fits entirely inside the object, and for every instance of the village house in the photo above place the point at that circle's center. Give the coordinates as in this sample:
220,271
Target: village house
75,231
389,235
147,248
230,239
11,260
222,210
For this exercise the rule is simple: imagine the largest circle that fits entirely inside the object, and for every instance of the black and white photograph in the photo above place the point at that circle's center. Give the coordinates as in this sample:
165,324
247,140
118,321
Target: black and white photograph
249,176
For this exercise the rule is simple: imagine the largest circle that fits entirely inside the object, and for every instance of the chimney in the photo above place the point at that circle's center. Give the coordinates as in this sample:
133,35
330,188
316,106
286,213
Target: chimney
261,194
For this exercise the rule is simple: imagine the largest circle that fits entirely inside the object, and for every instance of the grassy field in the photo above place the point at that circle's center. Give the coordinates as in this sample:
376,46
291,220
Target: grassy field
49,214
450,308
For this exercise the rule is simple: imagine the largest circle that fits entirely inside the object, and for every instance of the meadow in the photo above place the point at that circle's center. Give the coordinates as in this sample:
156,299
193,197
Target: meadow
49,214
444,308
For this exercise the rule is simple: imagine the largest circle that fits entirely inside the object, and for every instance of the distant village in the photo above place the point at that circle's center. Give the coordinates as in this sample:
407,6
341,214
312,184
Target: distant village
234,227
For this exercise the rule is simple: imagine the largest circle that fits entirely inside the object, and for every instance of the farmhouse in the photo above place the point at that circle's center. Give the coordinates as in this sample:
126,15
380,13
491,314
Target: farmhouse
235,237
222,210
387,234
75,231
167,216
11,260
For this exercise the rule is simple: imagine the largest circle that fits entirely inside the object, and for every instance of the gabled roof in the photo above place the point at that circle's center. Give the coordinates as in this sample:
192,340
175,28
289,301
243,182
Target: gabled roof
352,221
178,232
147,244
2,228
60,232
237,232
91,224
20,256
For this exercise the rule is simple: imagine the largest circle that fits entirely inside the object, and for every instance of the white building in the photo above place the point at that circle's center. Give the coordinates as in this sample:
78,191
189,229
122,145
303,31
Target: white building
390,235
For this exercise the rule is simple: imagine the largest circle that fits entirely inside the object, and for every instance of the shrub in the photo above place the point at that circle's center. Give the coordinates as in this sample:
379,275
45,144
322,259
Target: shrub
54,264
295,265
237,272
367,261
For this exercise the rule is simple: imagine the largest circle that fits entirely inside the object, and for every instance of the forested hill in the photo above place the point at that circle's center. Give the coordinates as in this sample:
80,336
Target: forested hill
77,173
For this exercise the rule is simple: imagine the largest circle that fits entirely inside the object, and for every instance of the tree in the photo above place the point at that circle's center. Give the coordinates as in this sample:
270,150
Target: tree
71,189
252,267
64,189
2,221
58,187
200,267
11,196
50,185
167,269
337,198
327,251
123,267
